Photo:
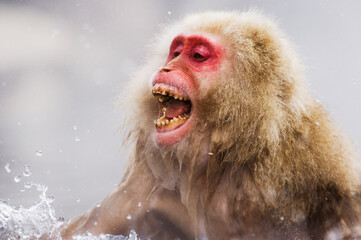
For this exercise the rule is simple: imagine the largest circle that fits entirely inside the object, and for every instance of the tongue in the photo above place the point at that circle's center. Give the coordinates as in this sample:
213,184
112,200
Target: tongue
175,108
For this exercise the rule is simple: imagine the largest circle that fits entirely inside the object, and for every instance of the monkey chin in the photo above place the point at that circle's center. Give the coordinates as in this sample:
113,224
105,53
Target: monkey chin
175,114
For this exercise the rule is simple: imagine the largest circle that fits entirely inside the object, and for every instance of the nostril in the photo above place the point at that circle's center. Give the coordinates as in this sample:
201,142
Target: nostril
166,69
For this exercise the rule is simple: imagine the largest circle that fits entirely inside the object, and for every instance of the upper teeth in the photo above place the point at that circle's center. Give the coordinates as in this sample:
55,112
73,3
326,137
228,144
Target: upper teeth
160,91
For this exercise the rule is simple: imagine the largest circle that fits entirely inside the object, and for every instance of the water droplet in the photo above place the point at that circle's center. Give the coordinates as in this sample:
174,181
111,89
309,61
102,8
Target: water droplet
169,12
210,154
98,204
317,123
39,153
50,198
139,204
282,218
95,223
7,168
27,172
132,235
27,185
75,128
129,216
148,210
124,191
77,139
17,178
78,200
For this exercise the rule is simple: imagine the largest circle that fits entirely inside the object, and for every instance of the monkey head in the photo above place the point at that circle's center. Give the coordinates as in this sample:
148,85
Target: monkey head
229,77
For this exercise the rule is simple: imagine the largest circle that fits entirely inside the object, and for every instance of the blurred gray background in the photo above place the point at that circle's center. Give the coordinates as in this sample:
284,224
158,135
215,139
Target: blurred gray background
62,64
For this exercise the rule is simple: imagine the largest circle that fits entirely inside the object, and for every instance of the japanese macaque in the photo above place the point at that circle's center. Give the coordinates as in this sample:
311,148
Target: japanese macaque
228,143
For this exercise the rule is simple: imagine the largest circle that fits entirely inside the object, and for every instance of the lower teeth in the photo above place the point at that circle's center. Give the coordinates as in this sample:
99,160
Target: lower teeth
160,122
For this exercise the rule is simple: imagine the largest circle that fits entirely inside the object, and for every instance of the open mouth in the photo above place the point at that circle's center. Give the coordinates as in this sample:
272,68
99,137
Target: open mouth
174,107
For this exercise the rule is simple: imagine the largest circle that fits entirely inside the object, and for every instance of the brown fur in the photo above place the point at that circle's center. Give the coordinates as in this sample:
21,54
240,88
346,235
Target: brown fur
264,160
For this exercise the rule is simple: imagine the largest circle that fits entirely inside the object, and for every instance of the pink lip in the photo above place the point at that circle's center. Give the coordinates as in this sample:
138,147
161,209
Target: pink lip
171,137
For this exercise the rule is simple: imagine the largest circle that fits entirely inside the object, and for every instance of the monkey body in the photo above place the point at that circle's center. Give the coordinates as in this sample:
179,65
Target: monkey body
239,149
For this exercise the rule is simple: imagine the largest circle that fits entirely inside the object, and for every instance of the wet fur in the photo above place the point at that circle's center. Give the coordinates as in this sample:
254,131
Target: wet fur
273,149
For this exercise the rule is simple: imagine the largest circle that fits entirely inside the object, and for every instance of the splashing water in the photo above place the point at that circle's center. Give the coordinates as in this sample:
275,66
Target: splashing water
132,236
29,223
40,221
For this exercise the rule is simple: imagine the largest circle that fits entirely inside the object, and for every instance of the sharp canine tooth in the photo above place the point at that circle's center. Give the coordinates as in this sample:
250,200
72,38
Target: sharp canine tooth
155,122
167,121
170,93
158,124
176,96
163,123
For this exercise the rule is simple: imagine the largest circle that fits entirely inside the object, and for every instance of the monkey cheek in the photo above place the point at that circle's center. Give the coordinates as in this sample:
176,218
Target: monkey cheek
166,139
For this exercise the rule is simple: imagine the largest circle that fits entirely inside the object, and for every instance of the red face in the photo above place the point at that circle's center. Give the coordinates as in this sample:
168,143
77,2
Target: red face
192,61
